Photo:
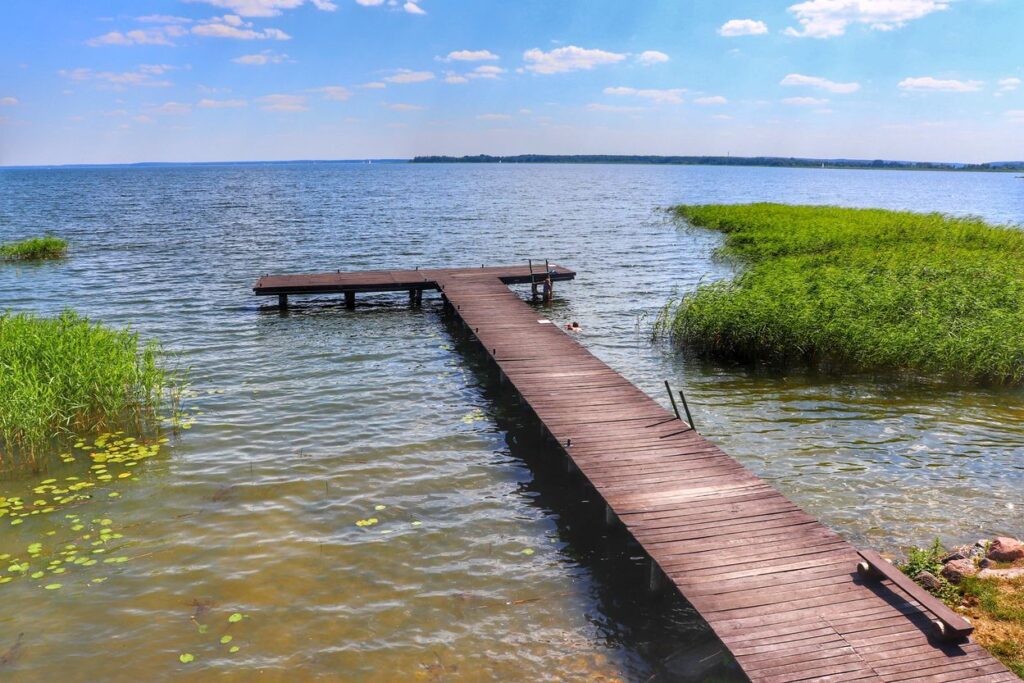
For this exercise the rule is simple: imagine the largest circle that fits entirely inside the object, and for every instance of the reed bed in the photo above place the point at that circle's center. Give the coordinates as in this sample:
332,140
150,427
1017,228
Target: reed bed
65,376
861,290
34,249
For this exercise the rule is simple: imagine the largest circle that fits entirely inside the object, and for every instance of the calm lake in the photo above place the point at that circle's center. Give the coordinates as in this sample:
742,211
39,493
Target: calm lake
309,421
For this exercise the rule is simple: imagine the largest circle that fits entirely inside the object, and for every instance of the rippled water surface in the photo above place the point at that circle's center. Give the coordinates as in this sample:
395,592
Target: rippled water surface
486,562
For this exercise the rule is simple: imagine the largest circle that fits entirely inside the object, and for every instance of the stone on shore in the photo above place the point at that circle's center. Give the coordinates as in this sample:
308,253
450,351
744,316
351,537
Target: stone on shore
1006,550
957,570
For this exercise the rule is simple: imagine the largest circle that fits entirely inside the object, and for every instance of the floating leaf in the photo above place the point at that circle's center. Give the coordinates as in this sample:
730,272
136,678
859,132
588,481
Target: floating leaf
52,586
235,618
225,639
380,507
528,551
186,657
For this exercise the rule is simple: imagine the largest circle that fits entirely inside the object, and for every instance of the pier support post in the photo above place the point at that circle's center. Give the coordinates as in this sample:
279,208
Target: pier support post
412,297
549,289
654,577
282,302
350,300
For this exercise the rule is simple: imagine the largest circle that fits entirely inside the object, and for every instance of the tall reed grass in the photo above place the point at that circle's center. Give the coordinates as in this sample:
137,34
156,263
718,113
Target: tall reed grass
34,249
66,376
860,289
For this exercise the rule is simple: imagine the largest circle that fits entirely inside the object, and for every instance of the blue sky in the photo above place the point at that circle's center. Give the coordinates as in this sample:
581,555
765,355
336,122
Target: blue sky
111,81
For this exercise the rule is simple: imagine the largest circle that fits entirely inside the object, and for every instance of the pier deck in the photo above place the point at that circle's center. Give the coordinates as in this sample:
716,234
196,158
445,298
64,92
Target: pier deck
779,588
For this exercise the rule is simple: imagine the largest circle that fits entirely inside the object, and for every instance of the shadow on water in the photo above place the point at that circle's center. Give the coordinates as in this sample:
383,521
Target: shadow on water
663,635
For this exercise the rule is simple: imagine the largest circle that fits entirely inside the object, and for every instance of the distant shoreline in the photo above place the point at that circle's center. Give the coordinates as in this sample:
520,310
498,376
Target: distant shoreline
765,162
770,162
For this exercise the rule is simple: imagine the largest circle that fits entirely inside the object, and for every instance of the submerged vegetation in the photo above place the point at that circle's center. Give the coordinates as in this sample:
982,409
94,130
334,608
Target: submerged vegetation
34,249
66,376
860,289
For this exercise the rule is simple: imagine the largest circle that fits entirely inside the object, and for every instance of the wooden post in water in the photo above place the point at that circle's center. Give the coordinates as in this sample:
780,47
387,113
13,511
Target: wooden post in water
282,301
350,300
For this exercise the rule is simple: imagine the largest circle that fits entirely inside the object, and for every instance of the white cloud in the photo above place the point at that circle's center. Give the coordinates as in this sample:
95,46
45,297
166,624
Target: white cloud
143,76
171,108
493,117
335,93
373,85
222,104
743,27
153,36
413,8
1015,116
805,101
486,71
264,57
162,19
283,103
711,100
406,76
651,57
1008,84
266,8
232,26
470,56
8,101
830,18
370,3
597,106
929,84
400,106
455,79
570,58
669,96
818,82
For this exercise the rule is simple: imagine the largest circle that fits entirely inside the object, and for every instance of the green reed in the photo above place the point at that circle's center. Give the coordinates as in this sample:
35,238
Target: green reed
860,289
67,376
34,249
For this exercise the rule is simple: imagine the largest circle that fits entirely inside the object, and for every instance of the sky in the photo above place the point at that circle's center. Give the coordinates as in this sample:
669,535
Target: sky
123,81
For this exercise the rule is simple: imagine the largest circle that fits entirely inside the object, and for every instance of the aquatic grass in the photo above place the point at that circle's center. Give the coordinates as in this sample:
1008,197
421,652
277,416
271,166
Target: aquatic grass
861,290
34,249
66,376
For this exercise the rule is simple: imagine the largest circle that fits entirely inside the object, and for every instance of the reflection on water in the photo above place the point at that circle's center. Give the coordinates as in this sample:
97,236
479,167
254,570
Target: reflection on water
484,561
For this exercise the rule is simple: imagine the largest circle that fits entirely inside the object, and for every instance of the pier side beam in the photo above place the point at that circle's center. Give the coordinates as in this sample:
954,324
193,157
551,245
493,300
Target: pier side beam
350,300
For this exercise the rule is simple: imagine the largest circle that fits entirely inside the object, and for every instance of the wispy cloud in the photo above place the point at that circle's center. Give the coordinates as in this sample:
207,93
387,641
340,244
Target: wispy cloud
262,58
8,101
335,93
796,80
711,100
1008,84
831,18
406,76
805,101
1015,116
494,117
401,106
145,75
283,103
929,84
150,36
170,109
373,85
742,27
598,106
266,8
222,104
668,96
232,26
413,8
470,56
651,57
569,58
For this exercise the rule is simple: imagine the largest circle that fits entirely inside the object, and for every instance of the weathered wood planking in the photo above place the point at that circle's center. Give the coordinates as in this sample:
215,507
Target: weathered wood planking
780,589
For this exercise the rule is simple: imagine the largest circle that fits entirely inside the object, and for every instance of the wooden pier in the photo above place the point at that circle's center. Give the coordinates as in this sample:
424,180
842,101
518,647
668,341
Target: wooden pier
781,590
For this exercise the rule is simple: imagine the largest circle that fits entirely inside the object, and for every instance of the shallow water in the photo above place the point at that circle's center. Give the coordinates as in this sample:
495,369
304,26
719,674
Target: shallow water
312,419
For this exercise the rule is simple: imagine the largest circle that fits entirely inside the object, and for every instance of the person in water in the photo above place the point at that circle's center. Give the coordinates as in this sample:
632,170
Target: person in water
574,327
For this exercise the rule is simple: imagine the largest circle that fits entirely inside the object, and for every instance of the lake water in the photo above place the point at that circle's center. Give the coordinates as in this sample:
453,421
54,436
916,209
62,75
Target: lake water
310,421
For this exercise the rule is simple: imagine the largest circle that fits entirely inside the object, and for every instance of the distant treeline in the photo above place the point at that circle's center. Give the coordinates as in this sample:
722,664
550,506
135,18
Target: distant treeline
790,162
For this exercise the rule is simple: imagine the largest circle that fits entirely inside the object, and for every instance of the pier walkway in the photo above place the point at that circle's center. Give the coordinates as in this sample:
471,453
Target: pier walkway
780,589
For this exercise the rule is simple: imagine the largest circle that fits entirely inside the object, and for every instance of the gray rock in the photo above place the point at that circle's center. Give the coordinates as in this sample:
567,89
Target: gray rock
929,581
1012,573
955,555
956,570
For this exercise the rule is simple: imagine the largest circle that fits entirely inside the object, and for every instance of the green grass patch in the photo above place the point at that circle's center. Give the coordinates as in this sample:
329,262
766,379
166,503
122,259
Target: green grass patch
66,376
860,290
34,249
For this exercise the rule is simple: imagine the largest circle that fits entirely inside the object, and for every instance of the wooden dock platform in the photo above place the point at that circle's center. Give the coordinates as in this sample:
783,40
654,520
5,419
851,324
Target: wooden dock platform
780,589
